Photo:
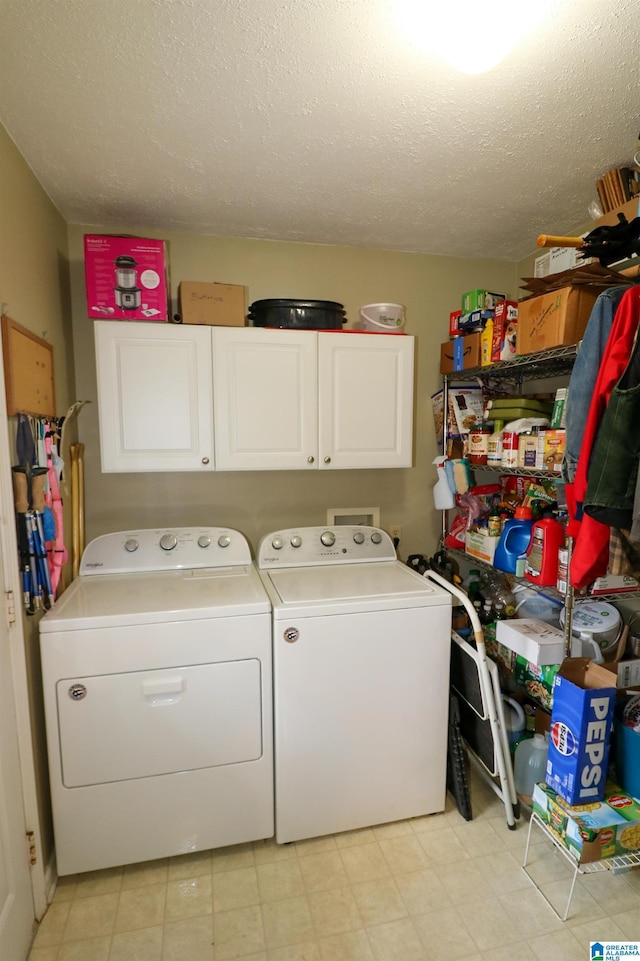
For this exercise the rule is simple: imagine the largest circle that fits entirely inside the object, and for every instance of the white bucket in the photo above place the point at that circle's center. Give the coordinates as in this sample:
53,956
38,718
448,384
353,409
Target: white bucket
382,318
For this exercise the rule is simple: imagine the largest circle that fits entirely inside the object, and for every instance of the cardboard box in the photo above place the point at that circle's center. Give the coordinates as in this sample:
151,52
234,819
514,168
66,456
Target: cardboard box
628,673
581,719
479,544
461,353
126,278
454,322
480,300
591,832
558,415
536,680
554,319
551,445
467,405
505,326
535,640
555,260
219,305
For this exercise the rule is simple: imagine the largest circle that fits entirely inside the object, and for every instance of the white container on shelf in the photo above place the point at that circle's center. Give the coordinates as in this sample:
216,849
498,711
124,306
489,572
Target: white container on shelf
382,318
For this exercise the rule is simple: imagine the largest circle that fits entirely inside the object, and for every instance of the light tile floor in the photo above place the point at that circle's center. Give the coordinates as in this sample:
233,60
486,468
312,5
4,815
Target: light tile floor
432,887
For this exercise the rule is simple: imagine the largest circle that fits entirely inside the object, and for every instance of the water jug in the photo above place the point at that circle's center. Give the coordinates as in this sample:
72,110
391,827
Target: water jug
530,764
514,540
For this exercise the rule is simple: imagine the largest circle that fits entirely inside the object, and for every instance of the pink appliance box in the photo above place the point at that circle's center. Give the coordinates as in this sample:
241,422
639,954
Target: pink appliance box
126,278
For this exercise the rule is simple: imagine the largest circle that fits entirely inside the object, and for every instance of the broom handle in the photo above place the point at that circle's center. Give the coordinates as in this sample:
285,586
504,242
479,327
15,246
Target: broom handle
548,240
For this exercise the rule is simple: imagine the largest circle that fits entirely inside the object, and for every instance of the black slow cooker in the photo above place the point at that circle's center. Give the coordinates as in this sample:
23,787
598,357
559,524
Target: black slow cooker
301,314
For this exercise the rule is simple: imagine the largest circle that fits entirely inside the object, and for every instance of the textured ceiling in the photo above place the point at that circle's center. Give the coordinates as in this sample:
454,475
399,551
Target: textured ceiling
313,120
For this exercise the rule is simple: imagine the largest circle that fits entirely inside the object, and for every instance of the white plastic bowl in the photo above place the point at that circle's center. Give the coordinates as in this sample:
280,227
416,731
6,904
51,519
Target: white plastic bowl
382,318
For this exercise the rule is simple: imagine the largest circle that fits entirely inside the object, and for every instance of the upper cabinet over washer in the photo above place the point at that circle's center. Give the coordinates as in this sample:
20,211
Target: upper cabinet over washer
155,401
275,399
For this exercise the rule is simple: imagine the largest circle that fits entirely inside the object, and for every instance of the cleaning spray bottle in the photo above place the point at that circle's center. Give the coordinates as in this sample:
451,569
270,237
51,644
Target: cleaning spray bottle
442,495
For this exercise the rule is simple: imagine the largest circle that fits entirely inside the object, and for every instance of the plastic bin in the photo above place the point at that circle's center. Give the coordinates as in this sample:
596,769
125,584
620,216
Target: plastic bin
382,318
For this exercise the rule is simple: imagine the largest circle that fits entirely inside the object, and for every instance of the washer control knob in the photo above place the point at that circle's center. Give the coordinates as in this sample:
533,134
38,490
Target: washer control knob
296,541
358,537
131,545
376,537
224,540
204,540
328,538
291,634
168,542
277,543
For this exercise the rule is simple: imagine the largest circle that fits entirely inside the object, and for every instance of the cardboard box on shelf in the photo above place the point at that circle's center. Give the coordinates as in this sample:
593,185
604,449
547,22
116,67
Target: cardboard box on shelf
219,305
454,322
480,300
535,640
461,353
554,319
504,336
467,405
126,278
551,445
479,544
581,719
591,832
555,260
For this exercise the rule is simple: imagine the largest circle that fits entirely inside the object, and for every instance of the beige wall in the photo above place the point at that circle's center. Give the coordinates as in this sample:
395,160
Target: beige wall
258,502
34,283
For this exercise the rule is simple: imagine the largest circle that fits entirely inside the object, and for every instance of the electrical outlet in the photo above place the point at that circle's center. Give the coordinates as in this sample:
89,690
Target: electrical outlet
395,532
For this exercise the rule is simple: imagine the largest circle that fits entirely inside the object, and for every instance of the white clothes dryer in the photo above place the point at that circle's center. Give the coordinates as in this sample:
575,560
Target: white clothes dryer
361,647
157,681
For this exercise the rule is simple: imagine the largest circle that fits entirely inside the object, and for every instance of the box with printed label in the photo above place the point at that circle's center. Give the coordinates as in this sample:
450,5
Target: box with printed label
536,680
454,322
505,327
219,305
591,832
533,639
479,544
551,445
126,278
467,406
581,719
554,319
461,353
480,300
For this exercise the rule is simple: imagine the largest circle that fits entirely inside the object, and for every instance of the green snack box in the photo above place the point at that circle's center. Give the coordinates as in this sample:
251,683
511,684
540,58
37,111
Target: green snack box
590,832
480,300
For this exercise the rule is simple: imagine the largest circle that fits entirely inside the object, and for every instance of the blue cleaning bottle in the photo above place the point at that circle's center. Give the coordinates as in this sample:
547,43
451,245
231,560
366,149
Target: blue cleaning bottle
514,540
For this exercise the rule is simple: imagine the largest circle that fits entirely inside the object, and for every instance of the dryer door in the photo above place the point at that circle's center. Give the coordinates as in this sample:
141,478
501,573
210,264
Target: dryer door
134,725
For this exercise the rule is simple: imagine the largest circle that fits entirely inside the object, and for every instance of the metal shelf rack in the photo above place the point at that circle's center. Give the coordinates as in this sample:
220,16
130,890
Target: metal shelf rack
623,862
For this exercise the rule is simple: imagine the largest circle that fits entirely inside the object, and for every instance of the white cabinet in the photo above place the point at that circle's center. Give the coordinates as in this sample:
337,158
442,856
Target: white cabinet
249,398
154,396
287,400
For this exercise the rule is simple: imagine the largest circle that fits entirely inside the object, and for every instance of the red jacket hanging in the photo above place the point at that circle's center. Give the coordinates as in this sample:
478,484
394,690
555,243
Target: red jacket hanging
591,548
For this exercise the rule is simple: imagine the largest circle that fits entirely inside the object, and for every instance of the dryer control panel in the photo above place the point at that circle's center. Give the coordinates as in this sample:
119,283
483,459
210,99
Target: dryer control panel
313,546
165,550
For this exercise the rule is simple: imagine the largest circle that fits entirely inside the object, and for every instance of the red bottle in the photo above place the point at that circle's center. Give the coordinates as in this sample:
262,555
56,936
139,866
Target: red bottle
547,537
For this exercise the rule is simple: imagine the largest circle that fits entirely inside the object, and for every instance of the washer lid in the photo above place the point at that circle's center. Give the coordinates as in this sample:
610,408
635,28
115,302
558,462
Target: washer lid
351,588
116,600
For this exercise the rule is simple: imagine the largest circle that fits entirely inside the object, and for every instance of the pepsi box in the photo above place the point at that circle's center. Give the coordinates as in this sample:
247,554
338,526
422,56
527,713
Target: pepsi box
581,719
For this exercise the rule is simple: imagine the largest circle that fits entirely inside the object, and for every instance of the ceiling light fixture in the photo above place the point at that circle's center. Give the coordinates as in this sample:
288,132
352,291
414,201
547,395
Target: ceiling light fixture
471,35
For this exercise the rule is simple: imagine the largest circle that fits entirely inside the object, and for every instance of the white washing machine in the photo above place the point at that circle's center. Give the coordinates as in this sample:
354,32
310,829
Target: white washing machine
158,699
361,648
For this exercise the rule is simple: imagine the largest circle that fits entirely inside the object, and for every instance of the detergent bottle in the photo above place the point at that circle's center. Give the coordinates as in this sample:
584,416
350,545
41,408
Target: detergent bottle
442,495
547,537
514,540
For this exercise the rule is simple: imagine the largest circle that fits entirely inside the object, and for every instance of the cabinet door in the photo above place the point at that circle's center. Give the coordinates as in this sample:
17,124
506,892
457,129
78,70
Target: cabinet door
154,396
365,400
265,391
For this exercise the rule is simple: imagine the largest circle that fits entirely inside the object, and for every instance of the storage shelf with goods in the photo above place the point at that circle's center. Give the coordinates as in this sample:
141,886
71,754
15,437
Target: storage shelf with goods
555,362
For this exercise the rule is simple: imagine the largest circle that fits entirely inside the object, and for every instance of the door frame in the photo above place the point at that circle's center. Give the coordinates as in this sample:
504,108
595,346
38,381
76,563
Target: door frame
11,583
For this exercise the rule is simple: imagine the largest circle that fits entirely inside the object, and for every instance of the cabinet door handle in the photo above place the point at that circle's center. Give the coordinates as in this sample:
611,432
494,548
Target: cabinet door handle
205,460
311,459
327,460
